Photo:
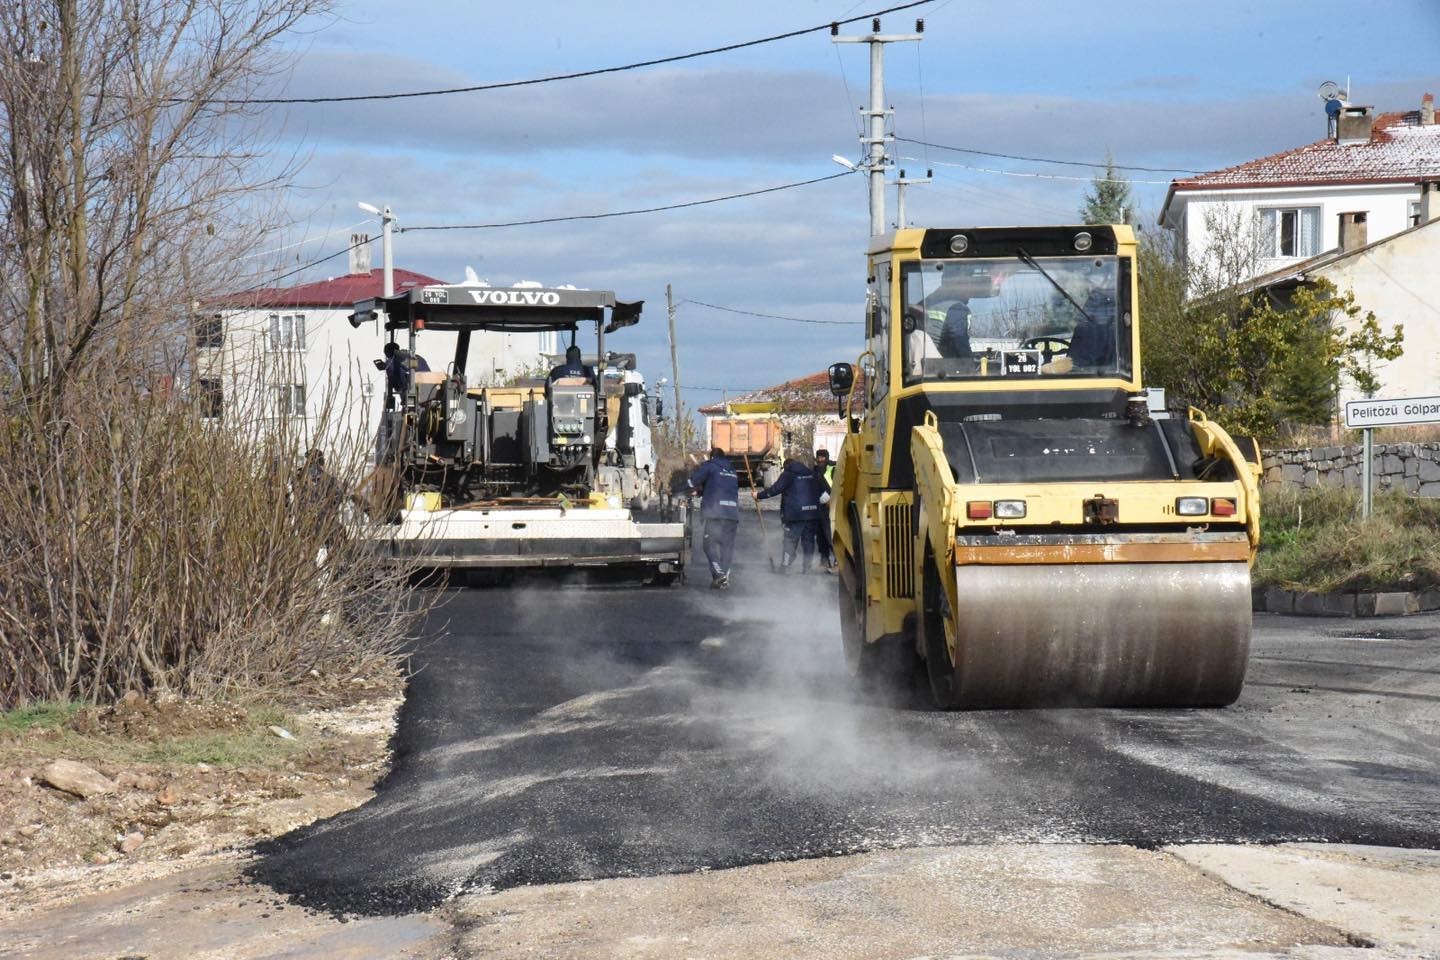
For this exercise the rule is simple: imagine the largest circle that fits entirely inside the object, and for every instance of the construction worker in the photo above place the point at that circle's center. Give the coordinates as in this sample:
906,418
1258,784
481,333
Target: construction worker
572,367
719,491
397,367
825,471
799,490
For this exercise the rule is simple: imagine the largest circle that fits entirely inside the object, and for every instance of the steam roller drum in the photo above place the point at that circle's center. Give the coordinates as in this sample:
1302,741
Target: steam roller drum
1108,634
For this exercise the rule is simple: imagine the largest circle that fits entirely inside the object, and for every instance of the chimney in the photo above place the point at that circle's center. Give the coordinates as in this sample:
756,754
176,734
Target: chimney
360,254
1427,110
1353,230
1354,125
1429,201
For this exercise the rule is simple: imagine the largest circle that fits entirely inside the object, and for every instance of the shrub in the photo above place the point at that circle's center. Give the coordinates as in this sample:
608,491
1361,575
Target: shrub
145,548
1315,540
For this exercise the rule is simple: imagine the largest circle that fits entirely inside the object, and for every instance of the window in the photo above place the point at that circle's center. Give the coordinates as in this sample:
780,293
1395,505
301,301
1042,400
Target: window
209,331
289,399
1291,231
287,331
1414,220
210,396
879,330
982,318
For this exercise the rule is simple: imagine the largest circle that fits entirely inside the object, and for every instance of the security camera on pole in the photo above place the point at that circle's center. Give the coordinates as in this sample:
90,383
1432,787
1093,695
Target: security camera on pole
876,159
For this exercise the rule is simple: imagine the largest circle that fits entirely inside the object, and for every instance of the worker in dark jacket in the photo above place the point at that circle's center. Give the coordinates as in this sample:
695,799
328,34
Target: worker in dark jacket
799,490
719,491
397,367
572,367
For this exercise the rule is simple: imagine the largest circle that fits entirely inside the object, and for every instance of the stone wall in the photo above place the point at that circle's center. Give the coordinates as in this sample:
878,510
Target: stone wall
1412,467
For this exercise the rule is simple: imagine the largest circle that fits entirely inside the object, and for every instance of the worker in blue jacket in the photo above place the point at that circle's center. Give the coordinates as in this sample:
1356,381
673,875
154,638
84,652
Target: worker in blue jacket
799,489
719,491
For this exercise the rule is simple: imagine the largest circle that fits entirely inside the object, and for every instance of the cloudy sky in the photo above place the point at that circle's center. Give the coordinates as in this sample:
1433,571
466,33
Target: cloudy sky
1156,83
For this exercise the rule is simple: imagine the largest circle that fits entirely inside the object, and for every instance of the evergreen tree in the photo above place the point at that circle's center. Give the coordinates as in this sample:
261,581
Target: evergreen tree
1108,200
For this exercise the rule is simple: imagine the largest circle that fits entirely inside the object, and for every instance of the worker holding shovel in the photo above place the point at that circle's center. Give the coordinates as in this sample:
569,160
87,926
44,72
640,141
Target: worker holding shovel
799,489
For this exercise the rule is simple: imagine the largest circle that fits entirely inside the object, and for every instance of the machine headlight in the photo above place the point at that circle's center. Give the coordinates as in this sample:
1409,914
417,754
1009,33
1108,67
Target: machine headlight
1083,241
1192,506
457,417
959,243
1009,509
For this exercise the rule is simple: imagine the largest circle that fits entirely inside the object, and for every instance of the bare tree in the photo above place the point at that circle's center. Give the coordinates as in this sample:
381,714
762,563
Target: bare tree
127,175
144,545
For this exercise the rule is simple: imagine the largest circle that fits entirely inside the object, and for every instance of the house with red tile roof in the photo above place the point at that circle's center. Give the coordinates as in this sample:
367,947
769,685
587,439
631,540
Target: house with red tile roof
289,355
1370,178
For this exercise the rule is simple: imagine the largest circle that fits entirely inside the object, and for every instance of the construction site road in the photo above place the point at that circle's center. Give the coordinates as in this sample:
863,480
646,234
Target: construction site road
555,734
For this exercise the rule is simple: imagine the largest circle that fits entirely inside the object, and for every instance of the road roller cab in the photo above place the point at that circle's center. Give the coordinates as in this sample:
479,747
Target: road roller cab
1009,509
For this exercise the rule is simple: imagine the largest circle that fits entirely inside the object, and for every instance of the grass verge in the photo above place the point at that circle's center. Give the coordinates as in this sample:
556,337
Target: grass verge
221,735
1314,540
37,716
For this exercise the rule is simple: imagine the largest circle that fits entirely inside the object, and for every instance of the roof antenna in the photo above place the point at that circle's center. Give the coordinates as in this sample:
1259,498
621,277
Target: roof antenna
1334,98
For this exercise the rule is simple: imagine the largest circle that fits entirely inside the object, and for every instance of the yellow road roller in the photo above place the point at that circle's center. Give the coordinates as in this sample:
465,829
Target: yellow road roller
1011,506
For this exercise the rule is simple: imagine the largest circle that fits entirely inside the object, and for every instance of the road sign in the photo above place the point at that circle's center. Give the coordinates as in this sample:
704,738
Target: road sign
1391,413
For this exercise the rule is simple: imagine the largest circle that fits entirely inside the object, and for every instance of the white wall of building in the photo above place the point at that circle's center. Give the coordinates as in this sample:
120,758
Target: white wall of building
1389,208
1396,281
326,383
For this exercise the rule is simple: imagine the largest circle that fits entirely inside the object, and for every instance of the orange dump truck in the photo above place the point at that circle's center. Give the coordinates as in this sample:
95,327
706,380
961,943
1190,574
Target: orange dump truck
755,443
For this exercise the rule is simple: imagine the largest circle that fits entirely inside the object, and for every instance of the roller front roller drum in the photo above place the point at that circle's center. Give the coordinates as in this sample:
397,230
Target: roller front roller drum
1107,635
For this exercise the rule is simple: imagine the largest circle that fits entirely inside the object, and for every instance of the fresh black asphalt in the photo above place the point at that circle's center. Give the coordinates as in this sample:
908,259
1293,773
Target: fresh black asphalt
555,733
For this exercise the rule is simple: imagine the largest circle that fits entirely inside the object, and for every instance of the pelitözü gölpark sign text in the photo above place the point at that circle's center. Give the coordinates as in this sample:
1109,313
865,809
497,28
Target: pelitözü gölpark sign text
1392,413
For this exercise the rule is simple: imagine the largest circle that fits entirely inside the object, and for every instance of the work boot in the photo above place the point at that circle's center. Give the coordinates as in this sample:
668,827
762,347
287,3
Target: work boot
723,583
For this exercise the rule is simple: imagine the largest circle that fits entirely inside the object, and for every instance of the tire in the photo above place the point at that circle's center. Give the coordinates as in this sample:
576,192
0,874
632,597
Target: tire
880,670
850,583
939,670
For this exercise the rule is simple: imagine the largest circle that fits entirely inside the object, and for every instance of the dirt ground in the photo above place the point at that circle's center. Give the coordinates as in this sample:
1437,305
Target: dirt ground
194,784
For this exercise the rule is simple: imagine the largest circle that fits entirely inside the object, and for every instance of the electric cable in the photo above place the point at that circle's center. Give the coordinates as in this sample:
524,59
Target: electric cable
1037,176
627,213
770,316
1068,163
301,269
565,76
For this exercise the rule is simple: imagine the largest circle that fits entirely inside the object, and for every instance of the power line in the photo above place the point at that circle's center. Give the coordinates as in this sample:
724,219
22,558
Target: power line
313,263
574,76
771,316
301,243
1034,176
1068,163
628,213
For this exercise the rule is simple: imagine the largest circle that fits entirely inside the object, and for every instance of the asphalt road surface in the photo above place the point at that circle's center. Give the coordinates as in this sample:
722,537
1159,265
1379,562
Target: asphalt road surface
565,733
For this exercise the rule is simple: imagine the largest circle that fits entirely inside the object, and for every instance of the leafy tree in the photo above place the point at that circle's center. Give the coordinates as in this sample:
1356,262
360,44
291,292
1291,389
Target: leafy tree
1108,199
1253,361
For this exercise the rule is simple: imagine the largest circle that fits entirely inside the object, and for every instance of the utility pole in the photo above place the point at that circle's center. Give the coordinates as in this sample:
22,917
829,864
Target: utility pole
875,139
387,255
675,367
900,184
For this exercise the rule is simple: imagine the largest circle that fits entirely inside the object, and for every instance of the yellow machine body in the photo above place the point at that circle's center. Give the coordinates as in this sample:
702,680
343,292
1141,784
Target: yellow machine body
1008,508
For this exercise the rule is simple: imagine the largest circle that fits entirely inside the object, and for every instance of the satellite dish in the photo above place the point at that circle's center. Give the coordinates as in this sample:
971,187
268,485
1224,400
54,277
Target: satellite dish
1330,90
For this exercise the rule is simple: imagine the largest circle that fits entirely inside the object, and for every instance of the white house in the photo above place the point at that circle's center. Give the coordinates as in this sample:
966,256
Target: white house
290,354
1370,178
